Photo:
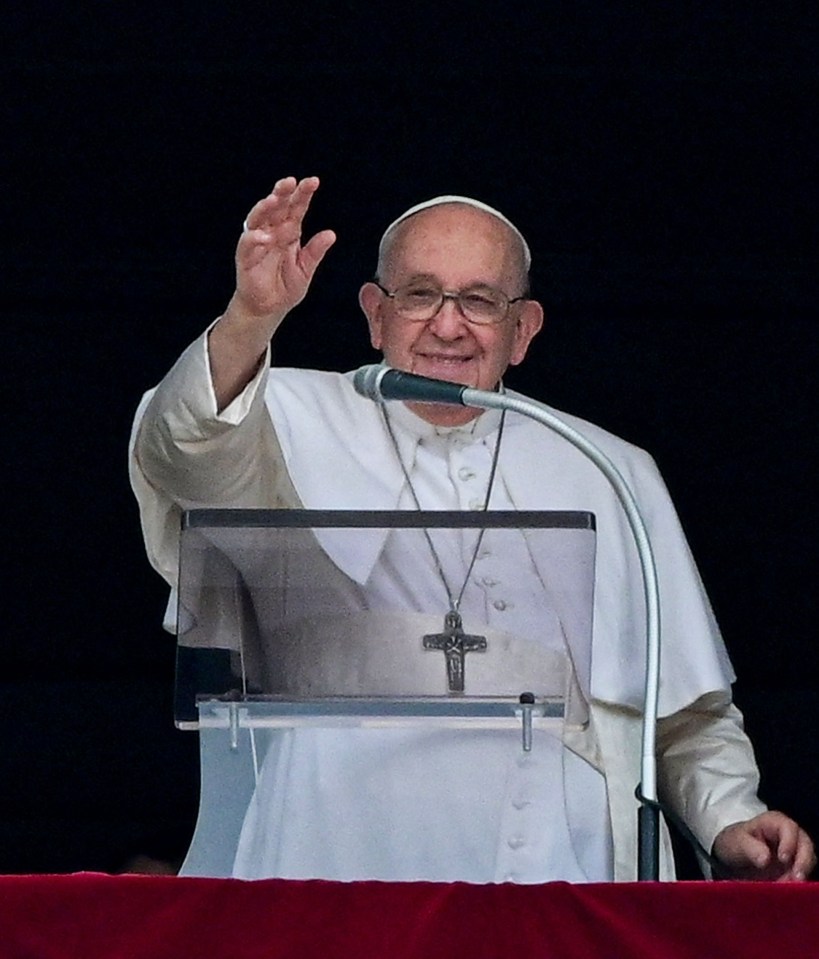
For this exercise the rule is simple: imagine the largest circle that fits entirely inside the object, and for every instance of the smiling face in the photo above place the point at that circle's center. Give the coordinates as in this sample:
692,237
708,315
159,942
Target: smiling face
453,247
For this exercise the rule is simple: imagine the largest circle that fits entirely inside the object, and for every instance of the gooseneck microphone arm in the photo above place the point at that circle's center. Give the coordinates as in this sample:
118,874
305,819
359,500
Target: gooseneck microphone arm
379,382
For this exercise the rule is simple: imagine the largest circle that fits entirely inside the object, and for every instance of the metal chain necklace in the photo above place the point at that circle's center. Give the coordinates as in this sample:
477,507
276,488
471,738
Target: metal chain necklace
452,641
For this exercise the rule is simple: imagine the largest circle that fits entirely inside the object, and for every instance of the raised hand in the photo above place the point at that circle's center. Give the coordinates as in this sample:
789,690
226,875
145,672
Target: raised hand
273,268
273,273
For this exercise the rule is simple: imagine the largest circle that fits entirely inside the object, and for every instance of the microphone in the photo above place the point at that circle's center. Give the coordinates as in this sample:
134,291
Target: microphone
380,382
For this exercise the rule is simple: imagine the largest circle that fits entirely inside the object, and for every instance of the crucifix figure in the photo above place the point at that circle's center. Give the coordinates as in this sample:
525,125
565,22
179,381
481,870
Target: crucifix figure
455,644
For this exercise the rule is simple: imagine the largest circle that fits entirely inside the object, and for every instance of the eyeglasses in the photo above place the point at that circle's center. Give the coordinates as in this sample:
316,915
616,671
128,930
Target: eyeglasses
481,305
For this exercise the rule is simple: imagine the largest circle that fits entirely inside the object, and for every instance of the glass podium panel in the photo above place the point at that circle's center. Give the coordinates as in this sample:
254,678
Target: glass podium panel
332,611
298,619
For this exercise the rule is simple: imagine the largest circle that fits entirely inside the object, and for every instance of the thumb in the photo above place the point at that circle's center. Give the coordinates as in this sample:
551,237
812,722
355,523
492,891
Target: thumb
312,253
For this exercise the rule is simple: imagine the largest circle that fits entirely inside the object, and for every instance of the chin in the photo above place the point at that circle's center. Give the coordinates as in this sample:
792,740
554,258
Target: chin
441,415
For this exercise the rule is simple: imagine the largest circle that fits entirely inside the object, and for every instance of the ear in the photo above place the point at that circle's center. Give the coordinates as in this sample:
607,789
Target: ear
370,300
530,322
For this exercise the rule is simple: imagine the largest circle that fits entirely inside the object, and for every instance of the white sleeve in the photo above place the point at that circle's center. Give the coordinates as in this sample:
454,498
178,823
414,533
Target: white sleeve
184,454
707,772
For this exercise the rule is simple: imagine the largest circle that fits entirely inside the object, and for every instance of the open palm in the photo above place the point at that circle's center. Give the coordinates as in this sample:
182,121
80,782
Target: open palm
273,268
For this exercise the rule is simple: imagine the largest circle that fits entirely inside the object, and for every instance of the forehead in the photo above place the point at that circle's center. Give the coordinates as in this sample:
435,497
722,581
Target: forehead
454,238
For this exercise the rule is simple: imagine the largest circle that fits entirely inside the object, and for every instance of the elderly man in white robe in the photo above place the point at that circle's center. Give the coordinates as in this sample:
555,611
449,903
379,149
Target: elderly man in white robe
225,429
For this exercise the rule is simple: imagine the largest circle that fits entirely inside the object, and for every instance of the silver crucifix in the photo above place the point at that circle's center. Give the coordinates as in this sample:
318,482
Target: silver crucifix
455,644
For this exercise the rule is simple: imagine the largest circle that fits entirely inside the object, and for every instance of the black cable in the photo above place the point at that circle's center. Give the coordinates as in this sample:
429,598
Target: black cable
718,869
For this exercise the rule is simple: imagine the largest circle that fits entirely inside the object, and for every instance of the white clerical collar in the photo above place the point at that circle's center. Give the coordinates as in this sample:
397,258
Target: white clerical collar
412,425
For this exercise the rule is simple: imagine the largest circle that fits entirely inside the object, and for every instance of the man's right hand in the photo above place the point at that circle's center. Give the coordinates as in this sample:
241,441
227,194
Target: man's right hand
273,274
273,269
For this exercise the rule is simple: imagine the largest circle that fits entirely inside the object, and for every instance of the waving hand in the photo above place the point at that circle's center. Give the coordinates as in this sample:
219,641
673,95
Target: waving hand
273,273
273,268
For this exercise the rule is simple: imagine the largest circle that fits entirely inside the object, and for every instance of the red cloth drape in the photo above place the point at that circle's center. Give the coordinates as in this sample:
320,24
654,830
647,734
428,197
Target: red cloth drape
90,915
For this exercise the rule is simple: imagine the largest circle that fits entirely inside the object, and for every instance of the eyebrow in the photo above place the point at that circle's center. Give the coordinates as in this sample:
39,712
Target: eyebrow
422,276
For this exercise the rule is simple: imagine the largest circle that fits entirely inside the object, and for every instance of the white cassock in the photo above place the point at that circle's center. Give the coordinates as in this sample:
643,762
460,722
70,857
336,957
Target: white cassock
400,804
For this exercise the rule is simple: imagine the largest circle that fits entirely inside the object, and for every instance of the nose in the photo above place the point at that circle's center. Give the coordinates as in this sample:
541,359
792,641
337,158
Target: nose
448,323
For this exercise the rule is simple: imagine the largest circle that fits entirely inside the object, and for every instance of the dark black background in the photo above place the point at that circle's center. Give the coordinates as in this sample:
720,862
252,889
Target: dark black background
661,162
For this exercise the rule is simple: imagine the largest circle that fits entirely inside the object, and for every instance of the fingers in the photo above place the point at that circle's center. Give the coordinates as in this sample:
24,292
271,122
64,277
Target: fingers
285,206
273,268
274,226
770,846
804,857
747,849
782,834
790,844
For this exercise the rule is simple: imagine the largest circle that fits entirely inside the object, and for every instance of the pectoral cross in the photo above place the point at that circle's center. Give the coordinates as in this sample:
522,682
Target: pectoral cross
455,644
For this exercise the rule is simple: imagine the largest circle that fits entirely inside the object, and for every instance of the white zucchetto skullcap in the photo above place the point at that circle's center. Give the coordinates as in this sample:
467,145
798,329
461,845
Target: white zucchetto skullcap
467,201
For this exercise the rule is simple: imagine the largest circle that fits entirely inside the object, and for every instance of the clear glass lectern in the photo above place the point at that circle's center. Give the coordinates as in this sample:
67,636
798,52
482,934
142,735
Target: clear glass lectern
289,619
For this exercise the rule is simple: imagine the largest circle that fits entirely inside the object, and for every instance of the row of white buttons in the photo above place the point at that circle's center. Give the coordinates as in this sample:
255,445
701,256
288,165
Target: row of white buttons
517,841
475,504
489,582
